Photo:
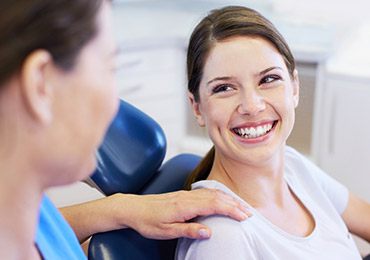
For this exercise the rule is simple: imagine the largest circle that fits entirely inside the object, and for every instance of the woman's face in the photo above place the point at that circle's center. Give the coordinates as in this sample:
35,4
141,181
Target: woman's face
85,102
247,99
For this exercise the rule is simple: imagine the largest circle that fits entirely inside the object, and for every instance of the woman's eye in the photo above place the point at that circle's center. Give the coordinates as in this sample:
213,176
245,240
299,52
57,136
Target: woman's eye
221,88
270,78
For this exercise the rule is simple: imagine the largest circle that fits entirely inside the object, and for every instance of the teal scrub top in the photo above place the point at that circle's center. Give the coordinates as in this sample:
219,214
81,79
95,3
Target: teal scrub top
54,237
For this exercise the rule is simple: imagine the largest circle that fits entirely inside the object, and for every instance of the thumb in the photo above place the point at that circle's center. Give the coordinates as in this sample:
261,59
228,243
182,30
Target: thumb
192,230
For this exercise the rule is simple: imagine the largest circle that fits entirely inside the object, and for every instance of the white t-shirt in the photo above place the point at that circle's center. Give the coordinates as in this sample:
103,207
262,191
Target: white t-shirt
258,238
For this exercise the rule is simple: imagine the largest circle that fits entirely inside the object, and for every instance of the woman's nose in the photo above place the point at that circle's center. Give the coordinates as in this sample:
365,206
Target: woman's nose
251,103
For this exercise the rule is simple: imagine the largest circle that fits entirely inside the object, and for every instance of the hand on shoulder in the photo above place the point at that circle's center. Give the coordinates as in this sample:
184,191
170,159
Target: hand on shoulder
166,216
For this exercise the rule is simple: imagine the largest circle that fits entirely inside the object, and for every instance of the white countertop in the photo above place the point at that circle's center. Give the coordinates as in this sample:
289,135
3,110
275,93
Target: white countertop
146,22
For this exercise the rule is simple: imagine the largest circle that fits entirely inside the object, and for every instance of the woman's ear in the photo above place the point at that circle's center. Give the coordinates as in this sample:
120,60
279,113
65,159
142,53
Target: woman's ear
196,110
36,90
295,82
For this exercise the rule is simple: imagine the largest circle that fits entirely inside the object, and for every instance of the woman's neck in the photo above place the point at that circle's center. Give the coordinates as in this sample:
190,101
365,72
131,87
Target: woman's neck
20,196
258,184
264,188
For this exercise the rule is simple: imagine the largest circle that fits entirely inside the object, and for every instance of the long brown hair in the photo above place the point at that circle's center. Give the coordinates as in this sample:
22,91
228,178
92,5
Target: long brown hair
61,27
219,25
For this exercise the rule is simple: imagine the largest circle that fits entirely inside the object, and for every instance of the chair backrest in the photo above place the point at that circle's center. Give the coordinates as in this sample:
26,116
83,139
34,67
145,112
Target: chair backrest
132,151
130,161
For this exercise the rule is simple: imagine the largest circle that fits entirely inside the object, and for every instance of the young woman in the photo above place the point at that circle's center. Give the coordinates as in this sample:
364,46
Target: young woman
57,98
244,88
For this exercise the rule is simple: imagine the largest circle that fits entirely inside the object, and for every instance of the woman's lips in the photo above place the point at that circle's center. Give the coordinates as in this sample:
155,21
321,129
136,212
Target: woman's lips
254,132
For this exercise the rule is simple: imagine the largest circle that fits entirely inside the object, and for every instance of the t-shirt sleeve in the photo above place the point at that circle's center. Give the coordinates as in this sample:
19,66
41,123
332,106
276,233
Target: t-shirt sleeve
228,241
336,192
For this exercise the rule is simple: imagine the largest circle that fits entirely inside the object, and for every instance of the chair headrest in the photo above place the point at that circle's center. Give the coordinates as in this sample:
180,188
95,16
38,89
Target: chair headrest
131,153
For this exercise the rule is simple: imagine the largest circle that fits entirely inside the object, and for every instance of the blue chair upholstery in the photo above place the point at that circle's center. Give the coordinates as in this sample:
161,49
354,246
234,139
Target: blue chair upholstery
133,149
130,161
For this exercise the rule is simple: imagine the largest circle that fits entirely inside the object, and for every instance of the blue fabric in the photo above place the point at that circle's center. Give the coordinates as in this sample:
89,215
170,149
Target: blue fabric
54,237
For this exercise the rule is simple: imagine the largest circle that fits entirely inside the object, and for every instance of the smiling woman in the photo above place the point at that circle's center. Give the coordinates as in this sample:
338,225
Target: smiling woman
224,26
244,88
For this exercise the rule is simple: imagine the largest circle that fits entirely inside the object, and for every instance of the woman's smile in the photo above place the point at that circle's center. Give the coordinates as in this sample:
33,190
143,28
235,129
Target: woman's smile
254,132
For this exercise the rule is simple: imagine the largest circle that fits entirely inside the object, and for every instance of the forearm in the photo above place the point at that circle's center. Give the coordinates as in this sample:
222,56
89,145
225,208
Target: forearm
357,217
161,216
95,216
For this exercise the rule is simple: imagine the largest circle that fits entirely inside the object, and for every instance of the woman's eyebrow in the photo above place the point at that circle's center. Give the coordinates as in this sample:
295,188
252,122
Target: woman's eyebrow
218,78
229,78
269,69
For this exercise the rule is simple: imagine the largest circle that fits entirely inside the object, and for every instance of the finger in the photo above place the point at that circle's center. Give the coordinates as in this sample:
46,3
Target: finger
229,210
218,202
214,194
234,202
190,230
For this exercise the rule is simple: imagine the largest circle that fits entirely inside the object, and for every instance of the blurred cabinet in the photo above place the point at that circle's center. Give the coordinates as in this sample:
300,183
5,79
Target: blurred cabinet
341,140
152,78
341,135
343,146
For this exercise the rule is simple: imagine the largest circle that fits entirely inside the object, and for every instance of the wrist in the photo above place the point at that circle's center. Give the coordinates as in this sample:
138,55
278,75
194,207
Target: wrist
119,211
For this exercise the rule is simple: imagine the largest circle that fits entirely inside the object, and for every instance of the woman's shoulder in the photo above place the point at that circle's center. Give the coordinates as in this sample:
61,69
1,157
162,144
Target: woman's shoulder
229,239
299,165
220,225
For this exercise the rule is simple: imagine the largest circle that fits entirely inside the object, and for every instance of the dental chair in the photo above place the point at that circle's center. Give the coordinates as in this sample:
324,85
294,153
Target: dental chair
130,161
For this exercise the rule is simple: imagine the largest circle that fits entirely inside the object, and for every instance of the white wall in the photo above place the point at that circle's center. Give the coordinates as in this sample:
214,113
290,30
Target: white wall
342,13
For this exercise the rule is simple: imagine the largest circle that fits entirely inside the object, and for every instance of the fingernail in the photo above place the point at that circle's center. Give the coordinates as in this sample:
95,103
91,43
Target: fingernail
245,215
247,210
203,233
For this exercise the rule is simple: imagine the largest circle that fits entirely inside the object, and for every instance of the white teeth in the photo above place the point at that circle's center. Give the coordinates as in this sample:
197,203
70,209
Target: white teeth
252,132
260,130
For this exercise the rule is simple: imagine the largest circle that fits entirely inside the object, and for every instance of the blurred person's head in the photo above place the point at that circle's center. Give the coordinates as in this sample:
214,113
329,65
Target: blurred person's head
57,88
